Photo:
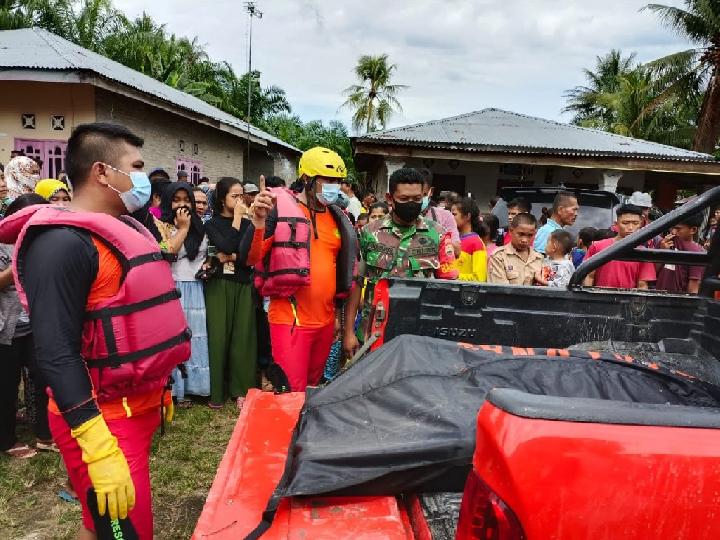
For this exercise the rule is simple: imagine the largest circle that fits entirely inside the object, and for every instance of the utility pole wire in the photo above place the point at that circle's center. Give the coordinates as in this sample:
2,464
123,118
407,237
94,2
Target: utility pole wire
252,12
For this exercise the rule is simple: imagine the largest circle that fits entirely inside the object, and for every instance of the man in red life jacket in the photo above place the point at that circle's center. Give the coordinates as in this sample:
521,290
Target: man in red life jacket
108,324
305,321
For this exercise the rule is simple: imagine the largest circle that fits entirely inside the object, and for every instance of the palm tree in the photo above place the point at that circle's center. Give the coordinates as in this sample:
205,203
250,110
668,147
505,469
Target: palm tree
53,15
374,99
233,95
586,102
638,112
700,23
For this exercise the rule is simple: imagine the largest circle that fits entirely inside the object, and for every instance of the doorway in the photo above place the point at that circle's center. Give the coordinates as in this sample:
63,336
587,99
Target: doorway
50,152
448,182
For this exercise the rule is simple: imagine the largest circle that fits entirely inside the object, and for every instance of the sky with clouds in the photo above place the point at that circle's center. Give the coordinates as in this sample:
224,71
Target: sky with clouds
456,56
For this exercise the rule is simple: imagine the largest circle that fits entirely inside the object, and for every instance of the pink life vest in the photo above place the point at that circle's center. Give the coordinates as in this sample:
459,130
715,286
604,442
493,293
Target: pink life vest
132,341
286,267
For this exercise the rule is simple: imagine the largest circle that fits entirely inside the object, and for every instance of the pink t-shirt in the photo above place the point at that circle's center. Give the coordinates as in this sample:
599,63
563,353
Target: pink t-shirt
619,274
446,219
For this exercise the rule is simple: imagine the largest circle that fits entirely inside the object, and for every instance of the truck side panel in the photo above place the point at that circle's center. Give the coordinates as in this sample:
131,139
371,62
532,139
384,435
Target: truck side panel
253,465
575,481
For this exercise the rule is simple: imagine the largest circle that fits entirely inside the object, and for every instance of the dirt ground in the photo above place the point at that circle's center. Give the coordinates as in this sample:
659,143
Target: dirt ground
182,466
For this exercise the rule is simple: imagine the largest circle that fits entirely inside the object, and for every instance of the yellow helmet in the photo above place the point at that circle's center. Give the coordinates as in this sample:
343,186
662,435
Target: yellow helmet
321,161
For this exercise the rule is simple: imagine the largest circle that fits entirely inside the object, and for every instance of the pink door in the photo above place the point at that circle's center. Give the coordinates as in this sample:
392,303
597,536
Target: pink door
50,152
193,167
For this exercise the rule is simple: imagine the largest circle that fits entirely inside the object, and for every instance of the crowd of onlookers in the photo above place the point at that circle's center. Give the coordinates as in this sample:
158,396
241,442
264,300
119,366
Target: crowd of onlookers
203,225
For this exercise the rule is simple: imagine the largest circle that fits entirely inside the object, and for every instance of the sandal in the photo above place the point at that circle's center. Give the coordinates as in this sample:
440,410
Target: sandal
47,446
68,497
184,404
215,406
21,451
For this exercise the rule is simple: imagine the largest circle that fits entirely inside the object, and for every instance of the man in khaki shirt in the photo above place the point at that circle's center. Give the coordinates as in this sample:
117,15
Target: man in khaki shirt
517,262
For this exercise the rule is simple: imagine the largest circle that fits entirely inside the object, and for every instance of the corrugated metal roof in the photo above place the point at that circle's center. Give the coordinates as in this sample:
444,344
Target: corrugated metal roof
495,130
35,48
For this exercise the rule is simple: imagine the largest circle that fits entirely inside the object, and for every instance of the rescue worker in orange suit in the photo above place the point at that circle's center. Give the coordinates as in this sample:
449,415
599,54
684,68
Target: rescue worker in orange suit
96,285
304,325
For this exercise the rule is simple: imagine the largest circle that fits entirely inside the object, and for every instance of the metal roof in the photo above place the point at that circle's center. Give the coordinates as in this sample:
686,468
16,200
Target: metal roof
495,130
35,48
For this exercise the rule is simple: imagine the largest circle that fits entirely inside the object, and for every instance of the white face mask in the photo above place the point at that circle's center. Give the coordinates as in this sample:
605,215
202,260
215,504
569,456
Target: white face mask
139,194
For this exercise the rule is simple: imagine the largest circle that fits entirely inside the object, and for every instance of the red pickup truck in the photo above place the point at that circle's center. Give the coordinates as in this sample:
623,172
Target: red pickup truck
595,417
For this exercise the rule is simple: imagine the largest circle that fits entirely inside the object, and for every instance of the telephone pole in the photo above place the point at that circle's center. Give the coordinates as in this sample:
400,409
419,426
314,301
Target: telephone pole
253,13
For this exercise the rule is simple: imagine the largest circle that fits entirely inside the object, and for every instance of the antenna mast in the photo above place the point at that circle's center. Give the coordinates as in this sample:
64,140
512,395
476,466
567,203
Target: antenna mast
253,13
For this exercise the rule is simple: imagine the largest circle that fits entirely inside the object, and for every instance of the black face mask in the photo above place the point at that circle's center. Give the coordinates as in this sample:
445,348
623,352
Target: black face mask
407,211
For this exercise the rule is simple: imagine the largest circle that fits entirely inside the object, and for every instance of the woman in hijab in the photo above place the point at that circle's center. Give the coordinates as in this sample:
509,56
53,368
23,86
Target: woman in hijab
54,192
21,175
183,234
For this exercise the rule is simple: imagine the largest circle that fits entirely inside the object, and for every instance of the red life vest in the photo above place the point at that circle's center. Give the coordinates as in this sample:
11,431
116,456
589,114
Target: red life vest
286,266
132,341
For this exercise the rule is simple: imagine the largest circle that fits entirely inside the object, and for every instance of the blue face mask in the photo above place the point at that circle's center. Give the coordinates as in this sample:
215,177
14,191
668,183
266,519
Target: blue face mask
139,193
329,194
425,203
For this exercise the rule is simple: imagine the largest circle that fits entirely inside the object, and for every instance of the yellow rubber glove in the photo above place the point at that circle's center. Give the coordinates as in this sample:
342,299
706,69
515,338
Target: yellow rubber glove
107,468
170,412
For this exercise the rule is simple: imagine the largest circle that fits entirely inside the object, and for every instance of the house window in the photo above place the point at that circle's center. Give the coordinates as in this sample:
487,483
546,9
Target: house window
50,152
57,122
193,167
27,120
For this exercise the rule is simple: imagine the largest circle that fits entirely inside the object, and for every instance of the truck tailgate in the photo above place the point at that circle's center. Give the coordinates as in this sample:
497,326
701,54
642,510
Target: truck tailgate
251,468
590,480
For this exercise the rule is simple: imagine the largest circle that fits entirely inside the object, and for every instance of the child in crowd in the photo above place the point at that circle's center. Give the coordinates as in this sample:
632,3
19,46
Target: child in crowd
489,233
472,261
585,239
378,210
362,220
557,268
681,278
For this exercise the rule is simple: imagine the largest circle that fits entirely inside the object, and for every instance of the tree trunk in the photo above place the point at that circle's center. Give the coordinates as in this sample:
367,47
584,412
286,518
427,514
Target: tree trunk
708,131
369,117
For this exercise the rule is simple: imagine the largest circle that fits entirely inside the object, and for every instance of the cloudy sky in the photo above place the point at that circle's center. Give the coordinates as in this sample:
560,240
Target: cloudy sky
456,56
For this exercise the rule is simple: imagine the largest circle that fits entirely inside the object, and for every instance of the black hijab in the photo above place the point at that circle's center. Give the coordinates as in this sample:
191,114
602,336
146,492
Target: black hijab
197,231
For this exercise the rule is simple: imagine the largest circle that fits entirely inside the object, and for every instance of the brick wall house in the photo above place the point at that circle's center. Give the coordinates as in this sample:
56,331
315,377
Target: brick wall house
51,85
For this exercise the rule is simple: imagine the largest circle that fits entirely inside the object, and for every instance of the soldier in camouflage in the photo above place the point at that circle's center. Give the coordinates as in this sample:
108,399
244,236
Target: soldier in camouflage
388,249
403,244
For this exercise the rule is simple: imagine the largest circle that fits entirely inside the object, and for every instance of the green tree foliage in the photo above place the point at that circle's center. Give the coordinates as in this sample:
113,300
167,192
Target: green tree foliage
374,100
585,102
697,68
305,135
636,100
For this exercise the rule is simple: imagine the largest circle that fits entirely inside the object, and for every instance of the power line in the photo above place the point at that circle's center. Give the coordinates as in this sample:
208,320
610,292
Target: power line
253,13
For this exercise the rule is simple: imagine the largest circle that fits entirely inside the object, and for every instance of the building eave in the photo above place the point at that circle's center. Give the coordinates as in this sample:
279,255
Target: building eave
568,158
110,85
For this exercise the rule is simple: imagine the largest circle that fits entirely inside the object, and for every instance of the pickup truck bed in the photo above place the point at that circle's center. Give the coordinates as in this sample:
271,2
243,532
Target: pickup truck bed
564,444
252,467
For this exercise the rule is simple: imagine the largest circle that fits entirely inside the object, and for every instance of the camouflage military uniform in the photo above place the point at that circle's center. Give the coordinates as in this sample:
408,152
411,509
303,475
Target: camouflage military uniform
389,250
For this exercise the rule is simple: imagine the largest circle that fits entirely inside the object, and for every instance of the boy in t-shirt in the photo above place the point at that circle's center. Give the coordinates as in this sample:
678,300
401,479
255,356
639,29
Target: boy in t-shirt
621,274
584,241
557,268
681,278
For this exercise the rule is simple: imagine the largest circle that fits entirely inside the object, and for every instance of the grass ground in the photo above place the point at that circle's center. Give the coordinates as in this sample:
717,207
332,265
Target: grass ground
182,468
